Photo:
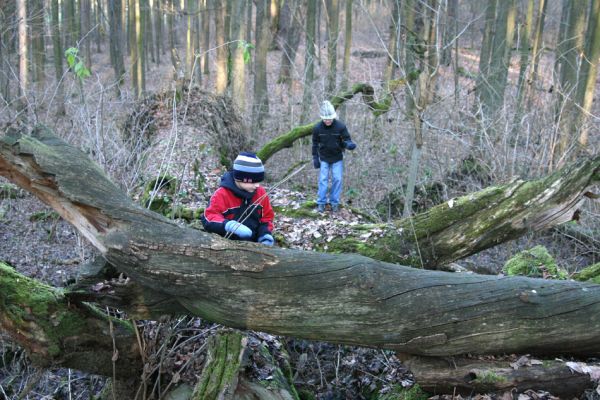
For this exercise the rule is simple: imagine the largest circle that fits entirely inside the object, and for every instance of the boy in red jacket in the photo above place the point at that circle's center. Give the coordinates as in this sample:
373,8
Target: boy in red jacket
240,209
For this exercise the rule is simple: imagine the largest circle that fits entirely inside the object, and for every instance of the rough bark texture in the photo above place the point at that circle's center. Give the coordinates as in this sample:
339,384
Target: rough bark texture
343,298
466,376
469,224
57,333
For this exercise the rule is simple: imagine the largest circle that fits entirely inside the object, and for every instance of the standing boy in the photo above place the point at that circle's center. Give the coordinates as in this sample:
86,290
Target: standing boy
329,139
240,208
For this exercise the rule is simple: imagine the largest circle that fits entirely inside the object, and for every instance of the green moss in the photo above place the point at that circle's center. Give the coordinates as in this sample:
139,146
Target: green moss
305,394
535,263
301,212
590,273
400,393
222,365
159,193
8,191
44,216
489,378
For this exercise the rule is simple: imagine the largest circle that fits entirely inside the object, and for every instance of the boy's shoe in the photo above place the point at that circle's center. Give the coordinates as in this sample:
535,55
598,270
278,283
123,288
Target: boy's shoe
321,208
335,208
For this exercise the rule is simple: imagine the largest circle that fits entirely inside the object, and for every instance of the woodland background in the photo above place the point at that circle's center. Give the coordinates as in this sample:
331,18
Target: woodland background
442,97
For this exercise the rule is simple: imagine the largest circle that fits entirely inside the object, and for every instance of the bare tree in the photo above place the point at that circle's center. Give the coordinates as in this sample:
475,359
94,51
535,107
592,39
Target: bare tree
333,29
263,41
23,106
309,59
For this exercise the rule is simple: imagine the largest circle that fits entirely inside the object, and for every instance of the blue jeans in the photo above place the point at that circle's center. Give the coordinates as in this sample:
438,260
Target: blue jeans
337,170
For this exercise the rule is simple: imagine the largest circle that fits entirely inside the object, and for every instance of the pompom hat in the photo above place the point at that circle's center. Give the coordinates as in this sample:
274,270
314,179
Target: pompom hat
248,168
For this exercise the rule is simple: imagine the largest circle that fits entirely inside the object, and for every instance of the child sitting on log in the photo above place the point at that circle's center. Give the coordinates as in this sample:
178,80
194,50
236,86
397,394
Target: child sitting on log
240,209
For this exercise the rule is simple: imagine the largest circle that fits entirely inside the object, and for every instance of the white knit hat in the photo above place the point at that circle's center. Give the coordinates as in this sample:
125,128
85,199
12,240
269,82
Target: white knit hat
327,110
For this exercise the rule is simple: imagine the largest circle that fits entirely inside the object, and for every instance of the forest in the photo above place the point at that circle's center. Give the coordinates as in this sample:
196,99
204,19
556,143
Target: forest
462,261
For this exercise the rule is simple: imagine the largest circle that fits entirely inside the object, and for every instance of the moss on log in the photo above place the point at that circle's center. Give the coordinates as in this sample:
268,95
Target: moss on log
466,225
57,333
345,298
467,376
223,373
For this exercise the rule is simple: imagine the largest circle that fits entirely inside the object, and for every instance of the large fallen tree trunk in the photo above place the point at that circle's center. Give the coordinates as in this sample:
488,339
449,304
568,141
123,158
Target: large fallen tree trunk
338,298
480,220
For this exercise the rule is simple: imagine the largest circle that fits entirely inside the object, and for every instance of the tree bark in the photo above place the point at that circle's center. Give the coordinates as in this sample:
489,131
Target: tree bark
343,298
332,22
58,59
309,59
260,107
480,220
59,333
23,104
467,376
238,73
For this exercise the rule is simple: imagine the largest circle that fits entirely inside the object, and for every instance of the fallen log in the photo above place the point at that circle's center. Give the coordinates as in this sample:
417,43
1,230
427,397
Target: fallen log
345,298
466,225
467,376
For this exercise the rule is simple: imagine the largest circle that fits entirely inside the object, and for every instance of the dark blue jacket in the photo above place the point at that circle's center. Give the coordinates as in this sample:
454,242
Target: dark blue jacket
328,141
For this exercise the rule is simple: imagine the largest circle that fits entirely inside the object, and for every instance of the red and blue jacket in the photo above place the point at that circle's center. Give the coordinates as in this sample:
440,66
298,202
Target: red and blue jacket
232,203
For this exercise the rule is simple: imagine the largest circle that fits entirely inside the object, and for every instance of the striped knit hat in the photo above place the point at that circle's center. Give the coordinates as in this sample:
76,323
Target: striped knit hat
247,167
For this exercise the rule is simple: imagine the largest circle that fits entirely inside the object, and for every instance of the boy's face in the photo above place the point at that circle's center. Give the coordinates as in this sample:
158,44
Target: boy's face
328,122
247,186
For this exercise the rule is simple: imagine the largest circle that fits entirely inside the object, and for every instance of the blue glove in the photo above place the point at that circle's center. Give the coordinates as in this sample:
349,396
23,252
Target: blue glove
349,144
241,230
316,162
266,239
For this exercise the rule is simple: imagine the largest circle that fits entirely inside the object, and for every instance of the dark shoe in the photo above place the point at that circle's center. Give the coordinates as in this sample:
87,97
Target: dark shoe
321,208
335,208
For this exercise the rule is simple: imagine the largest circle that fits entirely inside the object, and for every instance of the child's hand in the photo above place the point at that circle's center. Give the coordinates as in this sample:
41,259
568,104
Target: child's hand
266,239
239,229
349,144
316,163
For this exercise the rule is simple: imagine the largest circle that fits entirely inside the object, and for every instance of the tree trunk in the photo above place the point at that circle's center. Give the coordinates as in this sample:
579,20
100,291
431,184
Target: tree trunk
290,22
23,104
221,39
343,298
309,60
481,85
589,72
207,8
499,57
467,376
263,41
116,42
238,75
567,111
38,51
524,51
393,44
86,26
190,49
333,24
58,59
5,53
469,224
347,51
133,49
536,50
